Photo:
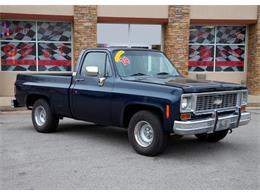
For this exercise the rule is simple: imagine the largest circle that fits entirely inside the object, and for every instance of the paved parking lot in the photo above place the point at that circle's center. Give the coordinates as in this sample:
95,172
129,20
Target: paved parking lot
85,156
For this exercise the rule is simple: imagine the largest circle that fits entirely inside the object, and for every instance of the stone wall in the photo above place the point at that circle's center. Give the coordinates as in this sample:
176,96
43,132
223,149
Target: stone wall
253,65
85,28
176,40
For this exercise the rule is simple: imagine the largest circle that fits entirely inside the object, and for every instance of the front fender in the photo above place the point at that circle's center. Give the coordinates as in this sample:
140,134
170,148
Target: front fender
159,108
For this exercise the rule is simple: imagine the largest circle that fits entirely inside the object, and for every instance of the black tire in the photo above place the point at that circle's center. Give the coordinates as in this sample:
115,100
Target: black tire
212,137
160,138
51,121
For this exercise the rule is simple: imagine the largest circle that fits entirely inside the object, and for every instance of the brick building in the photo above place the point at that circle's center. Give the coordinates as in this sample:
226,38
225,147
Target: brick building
208,42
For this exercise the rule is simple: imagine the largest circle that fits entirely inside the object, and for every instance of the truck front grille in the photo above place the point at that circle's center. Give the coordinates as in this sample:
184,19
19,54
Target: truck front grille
207,102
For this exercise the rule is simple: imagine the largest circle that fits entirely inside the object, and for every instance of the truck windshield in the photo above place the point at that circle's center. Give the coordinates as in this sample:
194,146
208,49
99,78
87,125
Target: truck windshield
143,63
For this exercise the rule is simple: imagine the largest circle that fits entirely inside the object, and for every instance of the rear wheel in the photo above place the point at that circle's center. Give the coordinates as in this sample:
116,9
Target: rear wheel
44,120
212,137
146,134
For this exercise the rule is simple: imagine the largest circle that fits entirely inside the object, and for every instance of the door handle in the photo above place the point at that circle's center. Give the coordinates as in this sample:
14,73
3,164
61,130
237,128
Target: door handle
101,81
79,79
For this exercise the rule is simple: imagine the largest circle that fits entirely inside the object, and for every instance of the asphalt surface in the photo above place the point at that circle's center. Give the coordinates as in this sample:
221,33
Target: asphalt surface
85,156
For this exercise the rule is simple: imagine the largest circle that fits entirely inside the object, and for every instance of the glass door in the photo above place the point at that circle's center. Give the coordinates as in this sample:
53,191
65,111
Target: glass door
148,36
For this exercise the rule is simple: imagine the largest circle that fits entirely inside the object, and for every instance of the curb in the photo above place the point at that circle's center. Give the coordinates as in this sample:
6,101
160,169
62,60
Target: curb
253,105
253,108
10,109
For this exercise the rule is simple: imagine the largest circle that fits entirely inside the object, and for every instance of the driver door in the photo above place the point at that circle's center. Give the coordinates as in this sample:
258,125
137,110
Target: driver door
91,100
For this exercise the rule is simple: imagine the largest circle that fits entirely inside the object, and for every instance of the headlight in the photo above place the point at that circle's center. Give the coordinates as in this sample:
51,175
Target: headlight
244,98
186,103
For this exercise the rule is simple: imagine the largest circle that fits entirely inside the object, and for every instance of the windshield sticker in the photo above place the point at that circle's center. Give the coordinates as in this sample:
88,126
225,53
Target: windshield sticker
118,55
124,60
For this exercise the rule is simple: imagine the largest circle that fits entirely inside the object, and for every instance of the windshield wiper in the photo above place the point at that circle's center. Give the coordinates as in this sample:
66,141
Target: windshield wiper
163,73
138,74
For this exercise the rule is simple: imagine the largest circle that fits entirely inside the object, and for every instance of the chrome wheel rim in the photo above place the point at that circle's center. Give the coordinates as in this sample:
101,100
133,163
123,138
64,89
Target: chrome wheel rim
144,133
40,116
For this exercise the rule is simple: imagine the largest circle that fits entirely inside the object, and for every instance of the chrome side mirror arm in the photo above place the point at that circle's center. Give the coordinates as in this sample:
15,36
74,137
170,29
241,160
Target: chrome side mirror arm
101,81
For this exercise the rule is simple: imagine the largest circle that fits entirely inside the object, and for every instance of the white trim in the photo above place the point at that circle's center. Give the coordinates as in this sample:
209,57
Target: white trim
54,41
29,71
39,20
72,47
129,36
114,45
162,37
140,46
36,47
215,44
23,41
246,49
215,49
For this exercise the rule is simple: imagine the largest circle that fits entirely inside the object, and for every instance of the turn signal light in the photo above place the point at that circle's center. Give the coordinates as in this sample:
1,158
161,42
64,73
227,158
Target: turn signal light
243,108
185,116
167,111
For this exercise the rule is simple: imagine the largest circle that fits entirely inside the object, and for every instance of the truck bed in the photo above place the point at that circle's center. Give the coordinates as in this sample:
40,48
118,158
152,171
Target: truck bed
55,87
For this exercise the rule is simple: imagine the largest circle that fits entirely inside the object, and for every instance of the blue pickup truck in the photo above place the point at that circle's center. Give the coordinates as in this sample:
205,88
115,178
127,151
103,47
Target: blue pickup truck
137,89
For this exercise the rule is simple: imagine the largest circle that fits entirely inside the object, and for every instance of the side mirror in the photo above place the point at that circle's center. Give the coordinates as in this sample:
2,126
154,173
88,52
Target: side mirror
92,70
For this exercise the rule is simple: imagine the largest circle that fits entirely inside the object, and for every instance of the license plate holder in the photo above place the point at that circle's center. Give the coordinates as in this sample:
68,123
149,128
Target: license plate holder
224,124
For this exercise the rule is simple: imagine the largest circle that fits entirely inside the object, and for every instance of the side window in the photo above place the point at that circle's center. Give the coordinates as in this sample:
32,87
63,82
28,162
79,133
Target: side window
94,59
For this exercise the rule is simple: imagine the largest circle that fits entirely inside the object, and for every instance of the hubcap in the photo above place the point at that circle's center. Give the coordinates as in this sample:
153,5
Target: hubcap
143,133
40,116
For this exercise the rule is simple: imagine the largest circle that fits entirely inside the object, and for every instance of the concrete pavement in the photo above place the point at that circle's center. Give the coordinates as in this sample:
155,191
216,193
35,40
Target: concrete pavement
84,156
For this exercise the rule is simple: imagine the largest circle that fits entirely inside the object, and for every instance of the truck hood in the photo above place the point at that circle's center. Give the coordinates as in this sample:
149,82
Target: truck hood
188,85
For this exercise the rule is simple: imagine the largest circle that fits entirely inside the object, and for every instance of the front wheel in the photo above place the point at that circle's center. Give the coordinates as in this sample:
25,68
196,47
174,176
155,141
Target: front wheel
212,137
146,135
44,120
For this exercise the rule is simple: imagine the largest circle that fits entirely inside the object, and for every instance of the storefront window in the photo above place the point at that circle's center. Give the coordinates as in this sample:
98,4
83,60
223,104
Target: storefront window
201,57
35,46
18,56
18,30
217,48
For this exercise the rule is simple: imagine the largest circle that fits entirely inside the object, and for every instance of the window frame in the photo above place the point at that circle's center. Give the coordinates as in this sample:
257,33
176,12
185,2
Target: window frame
215,44
107,57
178,74
36,42
110,64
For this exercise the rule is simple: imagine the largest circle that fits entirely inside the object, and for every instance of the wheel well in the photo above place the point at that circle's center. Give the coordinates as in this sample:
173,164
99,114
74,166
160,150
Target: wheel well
132,109
33,98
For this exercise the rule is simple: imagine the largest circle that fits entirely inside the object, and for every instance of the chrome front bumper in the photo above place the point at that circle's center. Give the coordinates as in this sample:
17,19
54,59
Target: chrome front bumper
210,125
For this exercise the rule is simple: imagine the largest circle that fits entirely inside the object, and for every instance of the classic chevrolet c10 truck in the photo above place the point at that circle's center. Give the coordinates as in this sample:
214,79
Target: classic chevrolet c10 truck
137,89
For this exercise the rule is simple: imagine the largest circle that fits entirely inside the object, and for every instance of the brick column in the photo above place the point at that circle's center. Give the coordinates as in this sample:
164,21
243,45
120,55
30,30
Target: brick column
85,28
253,63
176,41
